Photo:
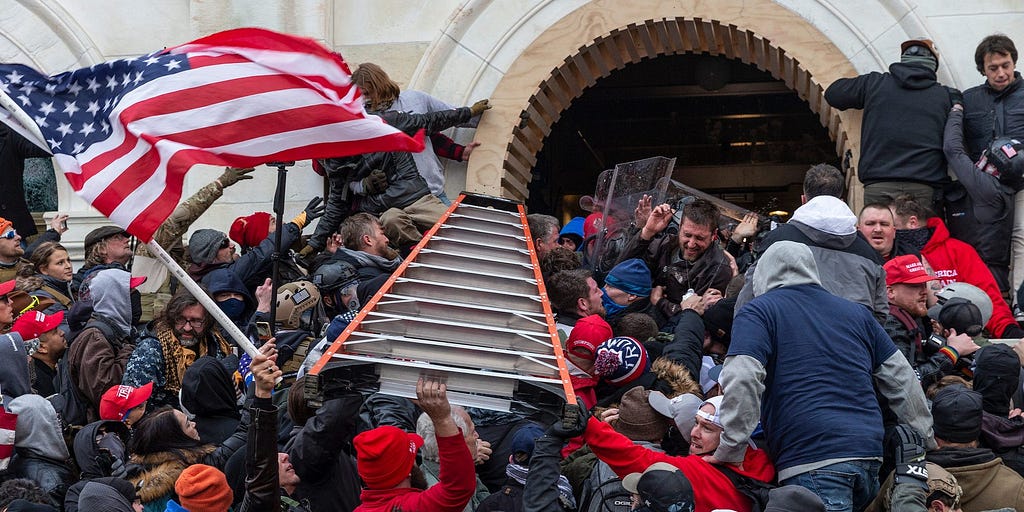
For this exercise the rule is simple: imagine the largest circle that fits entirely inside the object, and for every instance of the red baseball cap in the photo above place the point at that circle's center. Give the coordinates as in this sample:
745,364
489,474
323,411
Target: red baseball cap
120,399
6,287
906,269
34,324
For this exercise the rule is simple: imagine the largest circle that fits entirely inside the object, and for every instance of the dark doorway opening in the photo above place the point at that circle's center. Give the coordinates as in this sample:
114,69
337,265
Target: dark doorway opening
736,132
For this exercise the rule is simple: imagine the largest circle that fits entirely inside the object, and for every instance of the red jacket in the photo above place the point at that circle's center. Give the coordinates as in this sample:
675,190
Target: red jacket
451,494
956,261
711,489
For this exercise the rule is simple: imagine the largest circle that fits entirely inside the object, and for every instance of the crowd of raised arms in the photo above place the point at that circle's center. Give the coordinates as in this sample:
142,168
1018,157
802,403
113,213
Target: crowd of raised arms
842,361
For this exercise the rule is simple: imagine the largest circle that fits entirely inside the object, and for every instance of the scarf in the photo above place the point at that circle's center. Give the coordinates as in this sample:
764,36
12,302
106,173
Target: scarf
365,259
177,358
916,238
518,473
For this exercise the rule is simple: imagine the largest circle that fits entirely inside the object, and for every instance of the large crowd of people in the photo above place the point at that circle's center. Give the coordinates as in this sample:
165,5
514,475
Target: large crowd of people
839,362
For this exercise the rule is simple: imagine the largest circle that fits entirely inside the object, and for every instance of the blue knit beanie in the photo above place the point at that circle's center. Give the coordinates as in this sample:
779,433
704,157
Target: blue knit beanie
631,276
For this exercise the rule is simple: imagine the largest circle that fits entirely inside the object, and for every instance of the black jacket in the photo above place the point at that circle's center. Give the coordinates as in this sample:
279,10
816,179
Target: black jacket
321,454
14,149
661,254
979,209
904,115
261,469
208,392
405,185
989,114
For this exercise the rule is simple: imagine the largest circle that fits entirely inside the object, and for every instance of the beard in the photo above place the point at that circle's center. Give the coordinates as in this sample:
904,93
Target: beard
188,340
390,253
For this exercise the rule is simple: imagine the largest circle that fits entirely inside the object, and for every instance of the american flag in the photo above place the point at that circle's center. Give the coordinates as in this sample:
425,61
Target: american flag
125,132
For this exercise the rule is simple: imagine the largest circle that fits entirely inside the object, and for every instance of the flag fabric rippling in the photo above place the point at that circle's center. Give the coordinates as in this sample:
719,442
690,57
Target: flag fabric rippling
126,132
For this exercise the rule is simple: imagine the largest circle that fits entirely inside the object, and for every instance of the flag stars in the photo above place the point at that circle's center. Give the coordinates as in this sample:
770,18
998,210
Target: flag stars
104,127
70,108
47,108
15,78
65,129
79,147
41,121
87,129
75,88
24,100
151,60
4,88
28,88
93,85
54,144
94,106
137,79
50,88
126,79
173,64
111,82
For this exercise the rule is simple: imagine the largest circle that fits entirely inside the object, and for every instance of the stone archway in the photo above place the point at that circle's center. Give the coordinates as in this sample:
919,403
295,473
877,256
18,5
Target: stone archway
637,42
536,78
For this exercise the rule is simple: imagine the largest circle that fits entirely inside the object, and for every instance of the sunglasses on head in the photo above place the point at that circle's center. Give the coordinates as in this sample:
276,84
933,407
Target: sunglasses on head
10,235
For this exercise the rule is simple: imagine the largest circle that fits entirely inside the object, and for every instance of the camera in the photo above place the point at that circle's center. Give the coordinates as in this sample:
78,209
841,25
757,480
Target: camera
935,342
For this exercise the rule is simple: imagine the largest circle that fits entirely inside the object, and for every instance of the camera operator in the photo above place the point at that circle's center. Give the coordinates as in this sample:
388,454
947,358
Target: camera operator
932,357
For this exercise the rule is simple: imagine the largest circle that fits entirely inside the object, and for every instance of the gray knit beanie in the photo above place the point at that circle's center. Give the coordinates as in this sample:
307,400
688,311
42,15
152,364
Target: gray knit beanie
204,244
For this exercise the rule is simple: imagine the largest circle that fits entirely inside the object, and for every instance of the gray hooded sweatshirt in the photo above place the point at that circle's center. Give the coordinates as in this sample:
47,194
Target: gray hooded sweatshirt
111,297
14,379
845,262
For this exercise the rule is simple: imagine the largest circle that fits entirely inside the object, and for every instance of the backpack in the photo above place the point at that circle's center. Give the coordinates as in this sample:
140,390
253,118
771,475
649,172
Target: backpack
73,408
603,492
752,488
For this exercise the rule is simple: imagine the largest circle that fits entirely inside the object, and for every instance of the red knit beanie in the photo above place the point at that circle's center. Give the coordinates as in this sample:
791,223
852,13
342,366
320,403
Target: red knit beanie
385,455
202,487
250,230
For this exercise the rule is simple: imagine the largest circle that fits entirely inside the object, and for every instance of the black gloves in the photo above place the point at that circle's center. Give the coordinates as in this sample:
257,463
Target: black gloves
375,183
955,96
572,423
314,210
908,453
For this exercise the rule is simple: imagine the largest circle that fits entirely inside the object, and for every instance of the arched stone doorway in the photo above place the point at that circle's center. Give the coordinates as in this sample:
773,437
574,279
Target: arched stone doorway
807,45
638,42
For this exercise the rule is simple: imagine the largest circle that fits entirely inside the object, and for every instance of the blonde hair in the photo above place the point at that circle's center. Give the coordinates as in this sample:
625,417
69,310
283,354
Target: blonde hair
380,90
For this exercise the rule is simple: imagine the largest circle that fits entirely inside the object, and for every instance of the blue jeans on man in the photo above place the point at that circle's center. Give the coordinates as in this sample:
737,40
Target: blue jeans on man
844,486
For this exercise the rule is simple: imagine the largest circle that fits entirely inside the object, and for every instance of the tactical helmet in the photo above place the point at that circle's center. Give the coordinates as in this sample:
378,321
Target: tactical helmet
294,300
970,292
333,275
1004,154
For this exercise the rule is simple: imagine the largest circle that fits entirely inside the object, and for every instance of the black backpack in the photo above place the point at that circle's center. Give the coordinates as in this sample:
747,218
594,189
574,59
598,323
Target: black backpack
754,489
73,407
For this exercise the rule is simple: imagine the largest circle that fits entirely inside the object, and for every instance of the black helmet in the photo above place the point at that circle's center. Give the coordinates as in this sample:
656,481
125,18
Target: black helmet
1004,154
334,275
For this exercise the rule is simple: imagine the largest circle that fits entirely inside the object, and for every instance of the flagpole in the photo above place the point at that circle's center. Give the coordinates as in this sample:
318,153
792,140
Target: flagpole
211,307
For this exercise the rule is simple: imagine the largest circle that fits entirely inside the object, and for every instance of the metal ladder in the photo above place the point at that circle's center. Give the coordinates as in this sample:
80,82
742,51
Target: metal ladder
468,305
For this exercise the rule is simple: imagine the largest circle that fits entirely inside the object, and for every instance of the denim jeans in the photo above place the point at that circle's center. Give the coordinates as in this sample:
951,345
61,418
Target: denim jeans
845,486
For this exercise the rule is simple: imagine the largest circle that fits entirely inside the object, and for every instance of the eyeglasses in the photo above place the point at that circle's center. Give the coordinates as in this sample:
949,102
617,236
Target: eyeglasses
10,235
196,323
225,244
